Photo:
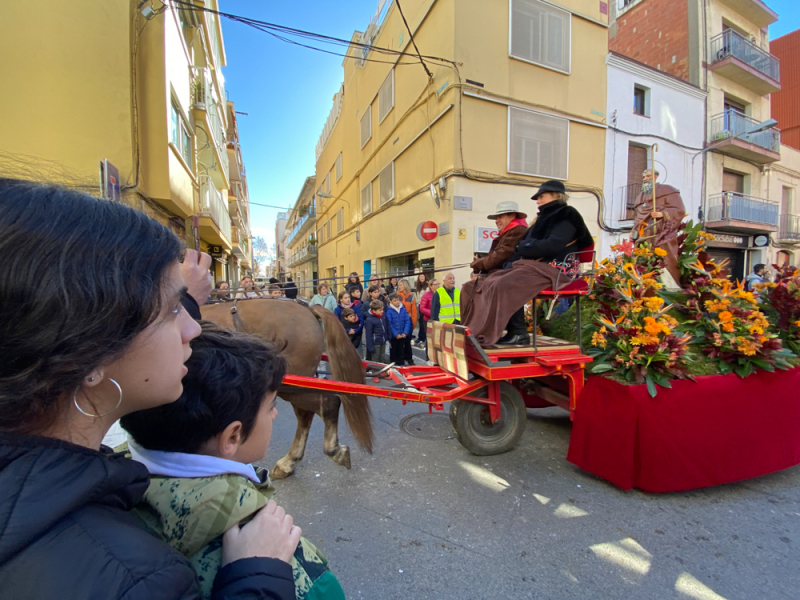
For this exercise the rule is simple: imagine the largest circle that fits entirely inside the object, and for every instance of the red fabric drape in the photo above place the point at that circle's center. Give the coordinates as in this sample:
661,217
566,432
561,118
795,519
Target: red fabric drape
718,430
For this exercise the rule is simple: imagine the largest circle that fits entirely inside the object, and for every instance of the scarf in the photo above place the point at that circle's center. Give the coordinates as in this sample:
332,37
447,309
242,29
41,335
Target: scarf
515,223
343,305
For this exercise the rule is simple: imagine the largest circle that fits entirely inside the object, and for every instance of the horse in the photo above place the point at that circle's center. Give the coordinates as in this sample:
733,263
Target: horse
295,328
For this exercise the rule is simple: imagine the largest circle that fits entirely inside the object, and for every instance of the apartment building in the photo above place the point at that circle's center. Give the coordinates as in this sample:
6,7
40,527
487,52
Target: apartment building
280,247
655,119
722,47
240,261
414,156
300,241
126,102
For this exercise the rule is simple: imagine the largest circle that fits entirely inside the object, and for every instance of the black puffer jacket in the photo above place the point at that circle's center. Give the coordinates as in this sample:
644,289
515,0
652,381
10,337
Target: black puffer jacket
66,532
559,230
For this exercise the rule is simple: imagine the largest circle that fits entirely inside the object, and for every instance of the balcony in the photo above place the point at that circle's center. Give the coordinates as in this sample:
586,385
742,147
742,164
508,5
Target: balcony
626,198
738,213
303,225
740,60
211,143
755,11
729,135
241,246
215,222
305,254
236,206
790,229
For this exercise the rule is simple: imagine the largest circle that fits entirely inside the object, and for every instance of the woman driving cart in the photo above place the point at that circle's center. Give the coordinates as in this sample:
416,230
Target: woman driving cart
540,256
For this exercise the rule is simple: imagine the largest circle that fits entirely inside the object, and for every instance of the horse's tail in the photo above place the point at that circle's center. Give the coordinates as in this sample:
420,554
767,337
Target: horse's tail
347,366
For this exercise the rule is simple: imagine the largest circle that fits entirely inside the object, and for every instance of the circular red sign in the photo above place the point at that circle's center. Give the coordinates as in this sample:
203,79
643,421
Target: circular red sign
427,230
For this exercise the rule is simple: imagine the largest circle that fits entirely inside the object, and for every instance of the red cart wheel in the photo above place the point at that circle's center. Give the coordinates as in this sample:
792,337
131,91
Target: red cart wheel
473,424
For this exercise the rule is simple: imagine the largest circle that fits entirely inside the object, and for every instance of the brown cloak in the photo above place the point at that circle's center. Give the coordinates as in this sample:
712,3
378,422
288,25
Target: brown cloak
669,202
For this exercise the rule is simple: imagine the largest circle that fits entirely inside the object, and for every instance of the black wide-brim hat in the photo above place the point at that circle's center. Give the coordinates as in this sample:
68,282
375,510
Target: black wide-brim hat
550,186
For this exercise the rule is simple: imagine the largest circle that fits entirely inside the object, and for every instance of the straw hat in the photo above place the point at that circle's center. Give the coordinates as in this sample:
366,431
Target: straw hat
509,206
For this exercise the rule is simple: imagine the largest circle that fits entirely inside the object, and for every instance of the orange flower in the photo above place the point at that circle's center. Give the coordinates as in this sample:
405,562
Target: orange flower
660,252
725,316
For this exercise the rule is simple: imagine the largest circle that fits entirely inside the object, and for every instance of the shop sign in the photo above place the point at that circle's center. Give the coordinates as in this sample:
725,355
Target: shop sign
760,241
730,241
484,237
426,231
215,251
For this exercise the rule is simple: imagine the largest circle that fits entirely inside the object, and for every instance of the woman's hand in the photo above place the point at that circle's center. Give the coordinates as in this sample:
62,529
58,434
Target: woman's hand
271,534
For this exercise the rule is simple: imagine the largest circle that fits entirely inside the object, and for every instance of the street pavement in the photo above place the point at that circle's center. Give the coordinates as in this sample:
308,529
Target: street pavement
423,518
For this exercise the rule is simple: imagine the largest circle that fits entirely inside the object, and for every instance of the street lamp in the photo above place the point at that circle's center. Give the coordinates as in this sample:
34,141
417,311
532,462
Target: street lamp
325,195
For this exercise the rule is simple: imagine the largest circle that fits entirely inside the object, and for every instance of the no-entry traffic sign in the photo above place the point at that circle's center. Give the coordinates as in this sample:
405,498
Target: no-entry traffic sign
427,230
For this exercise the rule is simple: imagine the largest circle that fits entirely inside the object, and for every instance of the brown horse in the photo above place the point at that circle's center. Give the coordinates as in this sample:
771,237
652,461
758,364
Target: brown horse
295,329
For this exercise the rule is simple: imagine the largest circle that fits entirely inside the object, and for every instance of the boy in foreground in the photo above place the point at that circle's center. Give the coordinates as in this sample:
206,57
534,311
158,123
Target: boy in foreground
198,451
400,329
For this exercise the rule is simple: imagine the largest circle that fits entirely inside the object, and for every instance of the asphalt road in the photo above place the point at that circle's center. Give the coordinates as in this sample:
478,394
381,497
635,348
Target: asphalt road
423,518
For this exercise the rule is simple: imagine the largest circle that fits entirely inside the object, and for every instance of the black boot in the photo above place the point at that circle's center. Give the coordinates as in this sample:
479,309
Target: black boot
515,339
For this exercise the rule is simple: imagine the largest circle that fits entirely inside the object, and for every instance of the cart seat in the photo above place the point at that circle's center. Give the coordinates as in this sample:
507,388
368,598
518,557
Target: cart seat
577,287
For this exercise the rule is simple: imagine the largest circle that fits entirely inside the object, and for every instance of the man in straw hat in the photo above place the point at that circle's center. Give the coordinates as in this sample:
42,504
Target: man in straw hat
511,226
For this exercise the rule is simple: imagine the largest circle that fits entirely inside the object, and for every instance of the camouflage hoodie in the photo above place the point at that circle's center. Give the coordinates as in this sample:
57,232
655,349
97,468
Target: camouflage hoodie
192,513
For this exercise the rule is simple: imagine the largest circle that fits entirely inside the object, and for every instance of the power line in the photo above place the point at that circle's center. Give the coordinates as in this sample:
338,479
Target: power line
269,206
411,36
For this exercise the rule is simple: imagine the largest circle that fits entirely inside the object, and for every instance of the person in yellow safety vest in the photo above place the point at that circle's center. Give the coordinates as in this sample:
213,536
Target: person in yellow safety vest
446,305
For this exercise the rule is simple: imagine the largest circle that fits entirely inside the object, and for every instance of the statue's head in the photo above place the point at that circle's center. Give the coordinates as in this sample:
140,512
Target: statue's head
650,175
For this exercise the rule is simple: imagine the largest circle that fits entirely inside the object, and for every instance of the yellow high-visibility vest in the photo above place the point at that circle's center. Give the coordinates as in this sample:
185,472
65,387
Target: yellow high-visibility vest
449,308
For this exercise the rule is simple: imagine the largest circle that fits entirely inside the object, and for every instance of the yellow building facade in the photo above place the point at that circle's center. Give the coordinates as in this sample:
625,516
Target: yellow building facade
300,239
515,97
138,85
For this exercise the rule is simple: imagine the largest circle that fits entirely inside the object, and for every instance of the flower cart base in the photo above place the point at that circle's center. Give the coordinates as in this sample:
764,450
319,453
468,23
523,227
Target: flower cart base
718,430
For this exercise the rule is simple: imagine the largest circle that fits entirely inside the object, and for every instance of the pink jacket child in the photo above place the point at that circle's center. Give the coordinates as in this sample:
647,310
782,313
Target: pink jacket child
425,305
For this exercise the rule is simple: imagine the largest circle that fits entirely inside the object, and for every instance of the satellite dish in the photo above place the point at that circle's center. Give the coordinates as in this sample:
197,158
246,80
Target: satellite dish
435,195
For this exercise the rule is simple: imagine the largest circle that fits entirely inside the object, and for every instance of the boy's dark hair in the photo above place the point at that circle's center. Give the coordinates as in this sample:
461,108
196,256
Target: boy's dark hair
346,312
229,376
376,305
758,268
394,295
373,288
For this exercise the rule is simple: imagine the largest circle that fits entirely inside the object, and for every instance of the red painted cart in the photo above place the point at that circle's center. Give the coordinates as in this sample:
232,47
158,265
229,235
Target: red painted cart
488,388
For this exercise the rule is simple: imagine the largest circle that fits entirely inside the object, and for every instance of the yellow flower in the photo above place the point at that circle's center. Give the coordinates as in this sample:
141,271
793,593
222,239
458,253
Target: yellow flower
756,329
660,252
654,303
598,339
797,323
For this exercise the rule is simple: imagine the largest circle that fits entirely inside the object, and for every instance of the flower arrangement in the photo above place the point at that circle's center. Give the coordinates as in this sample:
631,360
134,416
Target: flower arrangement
725,320
634,335
781,301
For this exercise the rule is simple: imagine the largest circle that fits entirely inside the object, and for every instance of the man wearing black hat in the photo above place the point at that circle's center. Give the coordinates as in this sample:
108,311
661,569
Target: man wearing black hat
558,231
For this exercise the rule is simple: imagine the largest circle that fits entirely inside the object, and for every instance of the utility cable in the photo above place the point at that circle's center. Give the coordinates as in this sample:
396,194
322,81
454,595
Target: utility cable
411,36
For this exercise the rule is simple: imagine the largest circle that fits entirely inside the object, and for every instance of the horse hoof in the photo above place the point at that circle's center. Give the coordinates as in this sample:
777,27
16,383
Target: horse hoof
278,473
342,457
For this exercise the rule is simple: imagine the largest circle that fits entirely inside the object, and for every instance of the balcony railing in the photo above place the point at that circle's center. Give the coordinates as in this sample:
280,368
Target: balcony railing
299,227
214,205
732,43
627,196
307,252
240,245
790,228
732,206
733,124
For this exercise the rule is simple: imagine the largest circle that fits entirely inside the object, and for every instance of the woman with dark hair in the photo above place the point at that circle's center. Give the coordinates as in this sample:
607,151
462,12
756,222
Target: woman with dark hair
93,329
290,288
391,287
353,282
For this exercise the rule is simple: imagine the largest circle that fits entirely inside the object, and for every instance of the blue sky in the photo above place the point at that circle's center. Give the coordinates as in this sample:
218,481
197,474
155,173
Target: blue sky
287,90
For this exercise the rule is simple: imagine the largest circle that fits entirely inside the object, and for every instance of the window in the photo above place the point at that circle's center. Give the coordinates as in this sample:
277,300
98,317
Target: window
326,183
386,97
366,125
328,234
540,33
321,234
538,144
338,167
366,199
386,183
179,135
339,220
641,100
637,165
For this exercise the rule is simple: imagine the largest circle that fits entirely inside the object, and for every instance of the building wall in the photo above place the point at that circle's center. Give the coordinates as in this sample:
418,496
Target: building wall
455,127
786,102
674,122
654,32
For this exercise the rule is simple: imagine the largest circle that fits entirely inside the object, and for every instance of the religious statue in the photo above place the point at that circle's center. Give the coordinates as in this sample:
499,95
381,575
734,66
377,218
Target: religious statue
659,208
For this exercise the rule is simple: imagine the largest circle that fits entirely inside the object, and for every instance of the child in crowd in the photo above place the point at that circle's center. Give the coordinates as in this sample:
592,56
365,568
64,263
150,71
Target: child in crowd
374,293
400,330
352,324
355,298
275,291
409,301
377,331
198,451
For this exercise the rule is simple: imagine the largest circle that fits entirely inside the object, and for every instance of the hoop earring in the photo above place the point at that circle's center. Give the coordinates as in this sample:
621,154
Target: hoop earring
83,412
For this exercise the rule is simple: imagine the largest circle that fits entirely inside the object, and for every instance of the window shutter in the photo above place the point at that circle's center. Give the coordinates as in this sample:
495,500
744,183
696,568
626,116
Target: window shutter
386,183
338,167
366,199
340,220
540,33
538,144
366,126
386,97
